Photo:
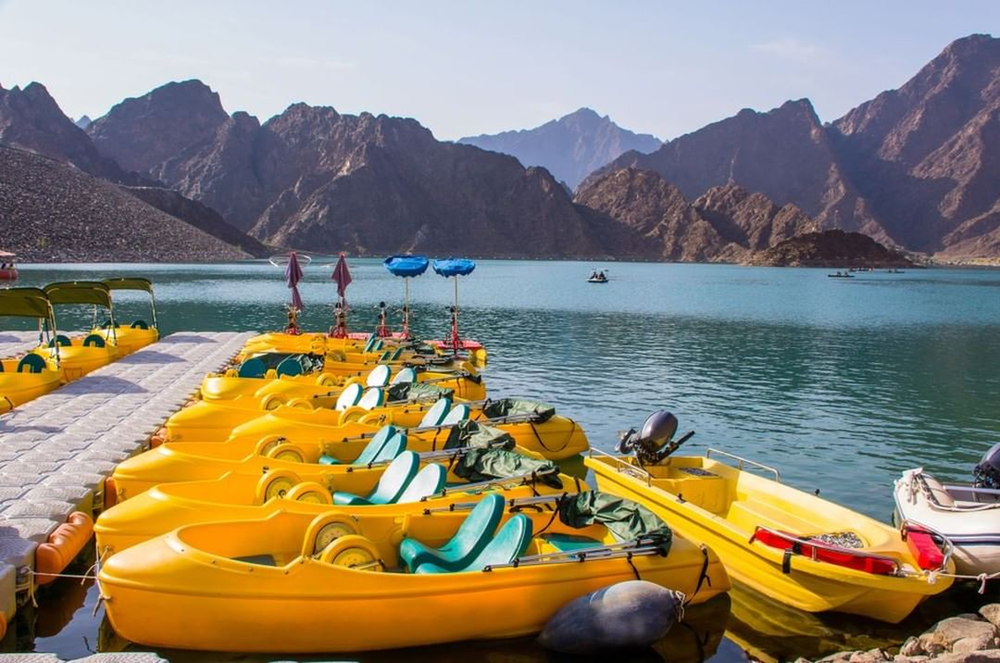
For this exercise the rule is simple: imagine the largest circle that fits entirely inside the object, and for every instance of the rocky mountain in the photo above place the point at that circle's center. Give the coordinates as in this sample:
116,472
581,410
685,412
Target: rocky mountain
726,223
83,122
52,211
31,119
140,133
571,147
314,178
831,248
927,156
917,167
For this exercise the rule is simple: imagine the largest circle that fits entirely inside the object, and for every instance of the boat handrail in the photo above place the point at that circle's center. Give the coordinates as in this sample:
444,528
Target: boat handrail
643,546
744,461
973,489
909,525
919,481
625,467
512,503
520,479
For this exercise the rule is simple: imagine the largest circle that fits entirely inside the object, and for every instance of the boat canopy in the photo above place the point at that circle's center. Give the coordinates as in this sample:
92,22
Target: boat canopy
79,292
129,283
406,265
25,303
454,266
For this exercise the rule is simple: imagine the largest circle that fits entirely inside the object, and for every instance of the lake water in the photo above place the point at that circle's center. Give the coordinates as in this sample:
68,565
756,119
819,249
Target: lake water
840,383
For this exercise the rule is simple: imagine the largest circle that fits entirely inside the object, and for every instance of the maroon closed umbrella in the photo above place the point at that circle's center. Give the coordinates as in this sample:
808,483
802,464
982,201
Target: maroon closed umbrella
293,274
342,275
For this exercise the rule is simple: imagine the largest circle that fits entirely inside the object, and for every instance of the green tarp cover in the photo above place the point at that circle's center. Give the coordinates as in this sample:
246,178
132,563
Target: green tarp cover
79,292
24,303
486,464
471,434
418,391
512,407
125,283
310,363
626,519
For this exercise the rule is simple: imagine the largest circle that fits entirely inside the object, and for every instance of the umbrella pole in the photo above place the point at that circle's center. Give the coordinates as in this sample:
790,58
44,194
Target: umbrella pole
455,342
406,309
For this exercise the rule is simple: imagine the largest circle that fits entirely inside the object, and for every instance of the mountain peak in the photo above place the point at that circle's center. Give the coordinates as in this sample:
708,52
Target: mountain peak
570,147
142,132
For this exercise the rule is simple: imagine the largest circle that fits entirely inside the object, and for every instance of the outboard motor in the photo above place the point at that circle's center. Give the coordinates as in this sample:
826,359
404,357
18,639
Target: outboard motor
654,440
987,473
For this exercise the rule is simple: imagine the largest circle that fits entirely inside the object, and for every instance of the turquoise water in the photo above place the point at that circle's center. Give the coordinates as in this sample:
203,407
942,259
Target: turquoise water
840,383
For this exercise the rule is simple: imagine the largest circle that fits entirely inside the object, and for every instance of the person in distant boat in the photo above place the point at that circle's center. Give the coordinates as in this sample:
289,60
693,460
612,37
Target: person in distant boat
602,276
594,275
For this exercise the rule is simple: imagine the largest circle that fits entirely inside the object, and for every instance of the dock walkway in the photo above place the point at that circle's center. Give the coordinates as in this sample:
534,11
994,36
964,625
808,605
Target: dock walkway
17,342
56,450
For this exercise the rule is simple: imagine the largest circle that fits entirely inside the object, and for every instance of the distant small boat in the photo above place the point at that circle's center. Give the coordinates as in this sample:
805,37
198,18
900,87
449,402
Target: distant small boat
598,277
894,271
841,275
8,271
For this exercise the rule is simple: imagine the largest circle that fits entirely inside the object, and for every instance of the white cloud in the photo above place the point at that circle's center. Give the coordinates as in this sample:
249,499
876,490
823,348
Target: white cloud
789,48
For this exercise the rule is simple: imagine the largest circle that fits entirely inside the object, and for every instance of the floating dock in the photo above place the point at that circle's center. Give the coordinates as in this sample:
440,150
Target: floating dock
17,342
57,450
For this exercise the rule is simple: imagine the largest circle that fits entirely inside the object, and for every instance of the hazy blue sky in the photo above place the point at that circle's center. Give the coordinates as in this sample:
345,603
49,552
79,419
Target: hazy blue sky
468,67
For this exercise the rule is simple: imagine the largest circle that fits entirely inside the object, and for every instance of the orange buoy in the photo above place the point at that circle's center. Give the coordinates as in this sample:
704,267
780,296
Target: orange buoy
62,547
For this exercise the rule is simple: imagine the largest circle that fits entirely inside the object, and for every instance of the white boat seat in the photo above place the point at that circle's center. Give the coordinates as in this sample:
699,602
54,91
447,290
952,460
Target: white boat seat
349,397
372,399
458,413
378,376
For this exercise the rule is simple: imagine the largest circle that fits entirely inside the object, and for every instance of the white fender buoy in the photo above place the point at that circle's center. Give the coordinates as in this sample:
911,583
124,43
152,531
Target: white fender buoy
630,614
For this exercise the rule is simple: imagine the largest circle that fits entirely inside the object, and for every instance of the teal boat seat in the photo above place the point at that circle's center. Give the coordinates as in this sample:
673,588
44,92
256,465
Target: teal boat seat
289,366
382,358
31,363
378,376
509,543
390,486
457,414
252,368
370,344
371,450
394,446
62,340
470,539
407,375
140,324
377,345
349,397
1,367
436,413
428,481
372,399
94,341
396,354
569,542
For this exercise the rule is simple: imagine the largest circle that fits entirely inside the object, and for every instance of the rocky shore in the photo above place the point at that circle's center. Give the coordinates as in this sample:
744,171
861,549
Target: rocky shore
967,638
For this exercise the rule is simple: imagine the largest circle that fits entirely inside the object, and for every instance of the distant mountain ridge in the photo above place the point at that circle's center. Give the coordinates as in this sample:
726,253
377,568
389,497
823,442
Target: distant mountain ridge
570,147
917,167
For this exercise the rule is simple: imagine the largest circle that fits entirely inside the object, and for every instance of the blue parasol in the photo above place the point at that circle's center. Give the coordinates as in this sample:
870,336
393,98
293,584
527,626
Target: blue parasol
407,266
455,267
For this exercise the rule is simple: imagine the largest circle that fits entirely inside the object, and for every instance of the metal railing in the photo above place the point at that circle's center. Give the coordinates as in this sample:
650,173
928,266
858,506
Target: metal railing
743,462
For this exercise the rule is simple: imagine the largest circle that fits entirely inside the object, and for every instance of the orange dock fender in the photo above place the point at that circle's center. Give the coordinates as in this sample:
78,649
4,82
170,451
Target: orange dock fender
63,545
110,493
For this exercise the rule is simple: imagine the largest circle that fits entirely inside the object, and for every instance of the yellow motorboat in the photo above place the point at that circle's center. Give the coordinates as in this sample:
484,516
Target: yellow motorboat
139,333
257,490
189,461
234,384
30,376
343,583
796,547
83,354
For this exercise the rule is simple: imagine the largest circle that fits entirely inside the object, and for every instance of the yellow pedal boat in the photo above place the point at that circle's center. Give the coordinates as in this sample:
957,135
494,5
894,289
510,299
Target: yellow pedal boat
793,546
422,481
341,583
140,333
189,461
81,355
321,343
25,378
467,383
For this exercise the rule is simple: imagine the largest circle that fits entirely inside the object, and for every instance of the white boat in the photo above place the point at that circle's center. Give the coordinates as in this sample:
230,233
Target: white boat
967,515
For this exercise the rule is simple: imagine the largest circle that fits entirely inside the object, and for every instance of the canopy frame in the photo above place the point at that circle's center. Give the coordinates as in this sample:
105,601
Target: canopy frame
135,283
33,303
84,292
